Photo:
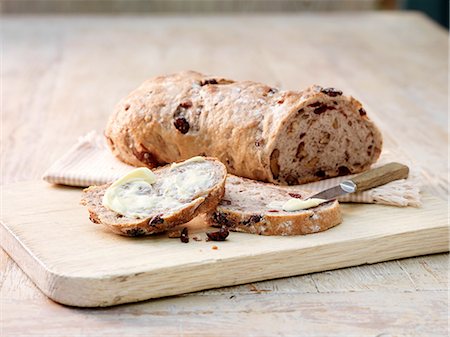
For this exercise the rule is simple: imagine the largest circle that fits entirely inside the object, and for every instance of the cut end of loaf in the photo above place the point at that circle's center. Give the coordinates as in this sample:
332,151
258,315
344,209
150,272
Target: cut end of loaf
327,135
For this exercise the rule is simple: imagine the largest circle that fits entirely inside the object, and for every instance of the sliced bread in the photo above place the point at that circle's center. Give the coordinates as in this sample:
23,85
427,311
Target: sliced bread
257,131
180,207
254,207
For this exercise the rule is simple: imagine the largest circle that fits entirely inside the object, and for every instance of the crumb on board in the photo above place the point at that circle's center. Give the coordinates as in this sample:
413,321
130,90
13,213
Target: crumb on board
184,235
214,247
220,235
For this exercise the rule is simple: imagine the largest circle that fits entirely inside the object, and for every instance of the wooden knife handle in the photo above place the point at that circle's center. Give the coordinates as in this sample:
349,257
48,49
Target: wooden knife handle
380,176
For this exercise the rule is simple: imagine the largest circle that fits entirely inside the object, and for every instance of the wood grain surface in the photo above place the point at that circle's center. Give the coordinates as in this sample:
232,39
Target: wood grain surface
61,77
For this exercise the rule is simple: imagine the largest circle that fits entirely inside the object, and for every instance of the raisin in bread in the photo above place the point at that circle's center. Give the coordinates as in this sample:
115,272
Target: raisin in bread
174,208
258,132
254,207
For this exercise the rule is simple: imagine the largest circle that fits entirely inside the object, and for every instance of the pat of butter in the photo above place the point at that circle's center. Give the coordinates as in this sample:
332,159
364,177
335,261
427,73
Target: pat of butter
129,195
295,204
190,160
141,173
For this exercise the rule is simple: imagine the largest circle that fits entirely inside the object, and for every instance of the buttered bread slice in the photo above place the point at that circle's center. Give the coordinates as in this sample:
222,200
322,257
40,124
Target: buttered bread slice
145,202
265,209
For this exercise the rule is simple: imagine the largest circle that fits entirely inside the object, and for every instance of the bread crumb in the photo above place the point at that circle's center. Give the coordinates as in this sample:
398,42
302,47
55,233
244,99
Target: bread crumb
184,235
214,247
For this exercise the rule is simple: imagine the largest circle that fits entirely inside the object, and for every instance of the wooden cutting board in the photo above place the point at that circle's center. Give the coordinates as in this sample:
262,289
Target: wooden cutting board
75,262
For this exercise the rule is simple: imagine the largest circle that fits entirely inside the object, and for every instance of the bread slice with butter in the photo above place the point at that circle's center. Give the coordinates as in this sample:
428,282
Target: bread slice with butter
259,208
145,202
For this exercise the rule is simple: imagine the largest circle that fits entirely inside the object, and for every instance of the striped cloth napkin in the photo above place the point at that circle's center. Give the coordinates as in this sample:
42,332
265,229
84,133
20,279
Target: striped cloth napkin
90,162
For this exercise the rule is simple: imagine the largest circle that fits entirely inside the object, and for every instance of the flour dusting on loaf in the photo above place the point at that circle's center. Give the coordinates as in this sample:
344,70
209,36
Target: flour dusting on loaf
258,132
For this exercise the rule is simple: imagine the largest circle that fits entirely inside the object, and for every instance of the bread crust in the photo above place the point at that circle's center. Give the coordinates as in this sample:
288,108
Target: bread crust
243,124
92,198
310,221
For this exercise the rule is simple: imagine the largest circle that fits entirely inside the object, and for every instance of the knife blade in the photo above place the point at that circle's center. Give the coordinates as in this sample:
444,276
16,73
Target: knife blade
364,181
345,187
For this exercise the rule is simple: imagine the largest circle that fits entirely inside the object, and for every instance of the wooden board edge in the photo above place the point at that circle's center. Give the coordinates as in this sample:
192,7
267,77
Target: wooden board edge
25,259
108,291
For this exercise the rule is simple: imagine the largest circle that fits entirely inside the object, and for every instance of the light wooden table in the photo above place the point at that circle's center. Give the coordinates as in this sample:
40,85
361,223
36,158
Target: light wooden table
61,77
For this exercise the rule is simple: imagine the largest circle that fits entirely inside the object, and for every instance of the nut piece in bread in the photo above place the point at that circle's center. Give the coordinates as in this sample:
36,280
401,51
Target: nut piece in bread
257,131
247,207
200,200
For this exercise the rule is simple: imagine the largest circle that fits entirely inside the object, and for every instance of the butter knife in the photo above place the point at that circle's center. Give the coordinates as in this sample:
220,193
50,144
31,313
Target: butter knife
365,181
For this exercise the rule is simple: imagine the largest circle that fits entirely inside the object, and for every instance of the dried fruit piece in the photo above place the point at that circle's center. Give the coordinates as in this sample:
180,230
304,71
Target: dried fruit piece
301,152
274,166
295,195
335,124
156,220
220,235
221,219
181,124
320,174
186,104
135,232
362,112
252,220
208,81
315,104
332,92
184,237
322,108
343,170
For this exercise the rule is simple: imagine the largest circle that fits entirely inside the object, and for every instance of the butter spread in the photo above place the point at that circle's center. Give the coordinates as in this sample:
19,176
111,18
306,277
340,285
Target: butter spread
294,204
129,194
139,194
187,184
190,160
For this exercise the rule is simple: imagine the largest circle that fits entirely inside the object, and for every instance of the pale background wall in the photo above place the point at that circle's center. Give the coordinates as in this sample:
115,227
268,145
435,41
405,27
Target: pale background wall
436,9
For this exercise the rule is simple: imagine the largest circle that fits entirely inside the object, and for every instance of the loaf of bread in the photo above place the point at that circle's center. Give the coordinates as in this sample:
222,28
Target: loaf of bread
254,207
178,204
258,132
